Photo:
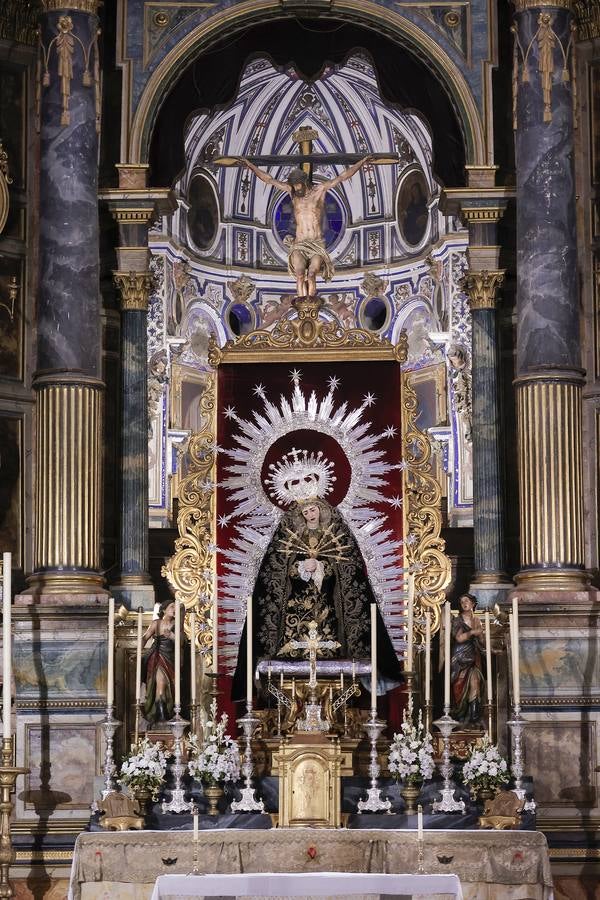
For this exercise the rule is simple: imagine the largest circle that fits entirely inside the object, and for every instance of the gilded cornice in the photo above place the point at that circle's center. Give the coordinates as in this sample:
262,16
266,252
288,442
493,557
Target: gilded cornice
522,5
482,288
88,6
134,288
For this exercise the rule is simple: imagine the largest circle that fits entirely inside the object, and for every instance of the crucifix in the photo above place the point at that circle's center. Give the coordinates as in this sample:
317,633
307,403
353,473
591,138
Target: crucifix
312,643
307,255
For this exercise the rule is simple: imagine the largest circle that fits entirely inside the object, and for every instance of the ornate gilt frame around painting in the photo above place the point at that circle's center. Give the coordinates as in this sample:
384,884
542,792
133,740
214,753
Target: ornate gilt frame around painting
300,342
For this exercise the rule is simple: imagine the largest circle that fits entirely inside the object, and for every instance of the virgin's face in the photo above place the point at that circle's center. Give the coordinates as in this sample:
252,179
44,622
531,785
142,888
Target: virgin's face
311,514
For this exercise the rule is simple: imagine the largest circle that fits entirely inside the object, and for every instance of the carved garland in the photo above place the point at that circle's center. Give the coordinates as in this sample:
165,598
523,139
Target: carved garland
191,569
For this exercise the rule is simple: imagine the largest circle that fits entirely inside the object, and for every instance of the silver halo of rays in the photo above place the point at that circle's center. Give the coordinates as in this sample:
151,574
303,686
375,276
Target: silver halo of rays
255,517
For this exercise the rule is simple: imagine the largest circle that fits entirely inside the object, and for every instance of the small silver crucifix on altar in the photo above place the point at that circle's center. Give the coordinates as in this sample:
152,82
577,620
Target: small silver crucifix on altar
312,720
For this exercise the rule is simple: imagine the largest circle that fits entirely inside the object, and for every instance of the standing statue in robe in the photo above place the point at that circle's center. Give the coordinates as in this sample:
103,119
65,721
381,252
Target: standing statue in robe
158,666
466,674
307,254
313,571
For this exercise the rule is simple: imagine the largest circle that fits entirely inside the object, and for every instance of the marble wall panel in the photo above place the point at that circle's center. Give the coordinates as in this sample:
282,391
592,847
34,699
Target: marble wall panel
60,669
63,753
560,664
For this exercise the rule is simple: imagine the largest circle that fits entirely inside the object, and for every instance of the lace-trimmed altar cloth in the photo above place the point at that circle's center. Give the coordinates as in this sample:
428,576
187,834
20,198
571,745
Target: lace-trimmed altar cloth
491,865
325,885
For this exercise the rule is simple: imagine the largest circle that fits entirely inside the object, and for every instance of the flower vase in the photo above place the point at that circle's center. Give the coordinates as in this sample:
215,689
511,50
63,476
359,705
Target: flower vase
483,794
143,797
213,793
410,794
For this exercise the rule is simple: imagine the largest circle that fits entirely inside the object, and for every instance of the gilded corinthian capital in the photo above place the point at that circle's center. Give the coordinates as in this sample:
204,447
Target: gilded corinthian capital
134,288
482,288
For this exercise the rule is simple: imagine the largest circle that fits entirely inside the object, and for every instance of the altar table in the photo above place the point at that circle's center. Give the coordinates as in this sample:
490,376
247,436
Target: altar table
316,884
491,865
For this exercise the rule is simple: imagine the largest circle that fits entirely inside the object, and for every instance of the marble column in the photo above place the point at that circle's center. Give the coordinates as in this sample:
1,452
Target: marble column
134,205
68,381
488,488
549,375
134,585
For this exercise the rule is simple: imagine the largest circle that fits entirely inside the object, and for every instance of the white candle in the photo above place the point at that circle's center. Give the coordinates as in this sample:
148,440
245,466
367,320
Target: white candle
193,657
195,825
6,644
488,657
427,658
410,624
514,640
138,656
177,653
342,682
446,656
215,635
249,645
110,688
419,822
374,657
280,679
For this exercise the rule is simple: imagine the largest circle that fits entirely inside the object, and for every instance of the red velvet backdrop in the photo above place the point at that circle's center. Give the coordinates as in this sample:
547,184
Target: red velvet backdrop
236,383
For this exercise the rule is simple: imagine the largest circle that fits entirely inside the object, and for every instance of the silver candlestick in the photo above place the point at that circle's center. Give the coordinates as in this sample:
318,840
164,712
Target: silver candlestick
374,801
177,803
516,725
109,726
248,802
448,802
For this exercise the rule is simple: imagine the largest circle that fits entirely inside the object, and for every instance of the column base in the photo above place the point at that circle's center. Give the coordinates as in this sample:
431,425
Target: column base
134,594
489,593
66,582
552,579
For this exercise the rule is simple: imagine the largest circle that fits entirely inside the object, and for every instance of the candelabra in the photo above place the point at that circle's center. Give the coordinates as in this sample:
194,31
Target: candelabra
248,802
488,716
516,725
8,776
109,727
420,856
177,803
448,803
374,801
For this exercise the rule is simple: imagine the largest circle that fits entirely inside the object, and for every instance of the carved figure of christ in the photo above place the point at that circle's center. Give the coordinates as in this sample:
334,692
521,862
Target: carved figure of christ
308,257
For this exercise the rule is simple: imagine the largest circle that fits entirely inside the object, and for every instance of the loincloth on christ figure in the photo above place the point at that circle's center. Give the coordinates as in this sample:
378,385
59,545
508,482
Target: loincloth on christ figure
308,249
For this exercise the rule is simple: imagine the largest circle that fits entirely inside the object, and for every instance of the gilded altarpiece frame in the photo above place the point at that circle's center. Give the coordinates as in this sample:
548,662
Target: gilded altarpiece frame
298,344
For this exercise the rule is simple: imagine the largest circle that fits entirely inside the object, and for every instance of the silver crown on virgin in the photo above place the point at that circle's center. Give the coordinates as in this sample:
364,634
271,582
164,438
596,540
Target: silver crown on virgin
299,475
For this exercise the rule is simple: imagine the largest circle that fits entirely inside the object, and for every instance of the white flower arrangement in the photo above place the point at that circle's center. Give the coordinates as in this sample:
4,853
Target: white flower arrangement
219,759
411,753
145,767
485,769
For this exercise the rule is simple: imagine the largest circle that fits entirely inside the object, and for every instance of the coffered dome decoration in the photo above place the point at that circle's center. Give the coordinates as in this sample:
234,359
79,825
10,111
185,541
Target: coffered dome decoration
374,217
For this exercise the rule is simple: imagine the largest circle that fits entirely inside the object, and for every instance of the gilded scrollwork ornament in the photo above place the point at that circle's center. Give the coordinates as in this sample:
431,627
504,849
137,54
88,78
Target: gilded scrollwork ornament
5,180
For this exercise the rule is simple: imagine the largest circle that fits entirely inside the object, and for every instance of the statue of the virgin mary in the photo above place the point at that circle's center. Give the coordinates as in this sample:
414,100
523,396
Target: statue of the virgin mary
312,570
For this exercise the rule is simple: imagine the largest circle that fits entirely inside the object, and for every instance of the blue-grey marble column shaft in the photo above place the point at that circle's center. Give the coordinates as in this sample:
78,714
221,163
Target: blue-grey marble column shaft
69,389
488,496
549,377
134,584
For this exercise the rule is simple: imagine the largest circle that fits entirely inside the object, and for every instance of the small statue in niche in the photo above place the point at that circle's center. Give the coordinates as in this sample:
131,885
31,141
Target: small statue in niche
158,665
466,673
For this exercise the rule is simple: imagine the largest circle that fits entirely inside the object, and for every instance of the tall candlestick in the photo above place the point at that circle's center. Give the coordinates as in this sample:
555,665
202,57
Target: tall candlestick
215,635
410,624
427,692
249,647
193,658
110,688
374,657
517,655
138,656
488,658
446,656
6,644
177,653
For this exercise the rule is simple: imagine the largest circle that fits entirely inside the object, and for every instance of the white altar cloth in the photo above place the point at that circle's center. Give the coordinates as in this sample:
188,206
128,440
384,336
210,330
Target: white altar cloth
314,884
